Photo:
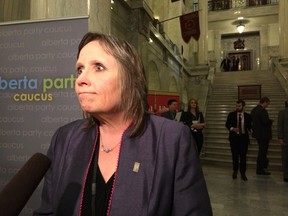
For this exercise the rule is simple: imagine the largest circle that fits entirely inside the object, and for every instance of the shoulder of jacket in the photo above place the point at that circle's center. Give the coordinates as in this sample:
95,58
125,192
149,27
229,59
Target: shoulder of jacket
74,127
161,122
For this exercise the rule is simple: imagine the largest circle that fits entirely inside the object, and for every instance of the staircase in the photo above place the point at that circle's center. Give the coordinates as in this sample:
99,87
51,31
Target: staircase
222,100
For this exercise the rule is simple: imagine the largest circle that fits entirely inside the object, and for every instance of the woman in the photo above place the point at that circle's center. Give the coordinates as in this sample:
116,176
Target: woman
120,160
194,119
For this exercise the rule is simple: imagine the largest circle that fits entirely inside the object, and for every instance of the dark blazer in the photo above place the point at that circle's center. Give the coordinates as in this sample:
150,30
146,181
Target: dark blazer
187,118
232,122
282,129
169,180
261,124
169,115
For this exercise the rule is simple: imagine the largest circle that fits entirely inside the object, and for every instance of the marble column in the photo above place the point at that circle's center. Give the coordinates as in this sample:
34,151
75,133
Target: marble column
98,11
14,10
283,29
50,9
203,40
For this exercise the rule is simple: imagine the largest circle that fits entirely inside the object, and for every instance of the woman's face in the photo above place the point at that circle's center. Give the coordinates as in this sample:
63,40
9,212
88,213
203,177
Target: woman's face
98,84
193,104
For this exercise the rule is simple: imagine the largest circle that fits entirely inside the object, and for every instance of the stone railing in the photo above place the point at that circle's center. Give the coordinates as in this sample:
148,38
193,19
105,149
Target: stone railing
215,5
280,68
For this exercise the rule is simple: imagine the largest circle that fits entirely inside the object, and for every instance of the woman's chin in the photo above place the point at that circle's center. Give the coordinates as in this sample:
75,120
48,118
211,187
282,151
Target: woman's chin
87,109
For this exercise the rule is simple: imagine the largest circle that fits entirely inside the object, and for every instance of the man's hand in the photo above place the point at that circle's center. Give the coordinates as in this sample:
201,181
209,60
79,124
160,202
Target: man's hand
281,141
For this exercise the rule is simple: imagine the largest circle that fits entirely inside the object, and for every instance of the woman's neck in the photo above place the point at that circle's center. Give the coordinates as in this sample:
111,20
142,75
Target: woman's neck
193,110
115,123
113,127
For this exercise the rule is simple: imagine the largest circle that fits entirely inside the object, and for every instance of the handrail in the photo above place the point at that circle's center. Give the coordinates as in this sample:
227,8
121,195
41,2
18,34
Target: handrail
280,72
210,80
216,5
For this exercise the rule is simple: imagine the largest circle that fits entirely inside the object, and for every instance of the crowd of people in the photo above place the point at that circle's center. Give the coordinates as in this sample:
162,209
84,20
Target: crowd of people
230,63
241,125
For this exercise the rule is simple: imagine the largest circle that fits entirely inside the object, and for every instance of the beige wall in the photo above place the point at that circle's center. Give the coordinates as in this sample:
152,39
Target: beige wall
273,36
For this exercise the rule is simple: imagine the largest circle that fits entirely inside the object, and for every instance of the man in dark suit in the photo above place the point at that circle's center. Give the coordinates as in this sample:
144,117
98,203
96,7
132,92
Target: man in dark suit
261,126
172,106
282,132
225,64
239,125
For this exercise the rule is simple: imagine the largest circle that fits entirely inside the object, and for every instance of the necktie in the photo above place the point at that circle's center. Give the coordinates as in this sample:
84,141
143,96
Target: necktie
173,114
240,123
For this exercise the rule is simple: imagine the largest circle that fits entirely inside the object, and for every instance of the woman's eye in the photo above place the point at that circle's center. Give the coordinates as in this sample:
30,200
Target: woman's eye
80,70
99,67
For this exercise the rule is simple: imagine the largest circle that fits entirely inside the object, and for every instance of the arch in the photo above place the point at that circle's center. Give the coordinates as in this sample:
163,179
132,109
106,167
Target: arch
173,85
153,76
184,100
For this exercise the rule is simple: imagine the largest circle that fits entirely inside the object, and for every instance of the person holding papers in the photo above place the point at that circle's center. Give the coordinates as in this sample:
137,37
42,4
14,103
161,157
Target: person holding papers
194,119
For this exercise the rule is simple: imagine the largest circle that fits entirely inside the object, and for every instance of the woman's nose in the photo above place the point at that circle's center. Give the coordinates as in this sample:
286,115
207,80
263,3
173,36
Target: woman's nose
83,79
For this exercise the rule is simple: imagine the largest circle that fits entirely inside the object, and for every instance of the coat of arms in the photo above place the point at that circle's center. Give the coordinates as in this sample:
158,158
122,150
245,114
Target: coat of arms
239,44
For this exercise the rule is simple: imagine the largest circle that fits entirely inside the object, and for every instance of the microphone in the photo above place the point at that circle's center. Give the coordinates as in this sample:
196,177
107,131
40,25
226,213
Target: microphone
17,192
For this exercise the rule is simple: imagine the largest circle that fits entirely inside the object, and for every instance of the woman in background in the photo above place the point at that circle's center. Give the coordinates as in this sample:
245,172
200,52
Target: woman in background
194,119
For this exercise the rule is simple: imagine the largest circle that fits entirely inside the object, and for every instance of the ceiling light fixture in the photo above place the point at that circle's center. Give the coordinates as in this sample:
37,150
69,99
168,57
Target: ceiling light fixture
240,27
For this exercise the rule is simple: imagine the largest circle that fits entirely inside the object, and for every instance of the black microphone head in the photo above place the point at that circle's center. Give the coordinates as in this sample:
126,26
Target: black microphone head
17,192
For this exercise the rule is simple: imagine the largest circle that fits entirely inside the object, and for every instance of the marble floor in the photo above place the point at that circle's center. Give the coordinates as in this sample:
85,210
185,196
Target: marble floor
259,196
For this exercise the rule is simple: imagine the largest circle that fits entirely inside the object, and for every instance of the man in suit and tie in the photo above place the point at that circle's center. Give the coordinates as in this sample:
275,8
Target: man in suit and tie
239,125
172,106
262,132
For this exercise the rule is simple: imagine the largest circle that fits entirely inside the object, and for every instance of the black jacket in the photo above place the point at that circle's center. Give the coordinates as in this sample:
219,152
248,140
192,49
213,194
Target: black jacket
232,122
168,181
261,123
